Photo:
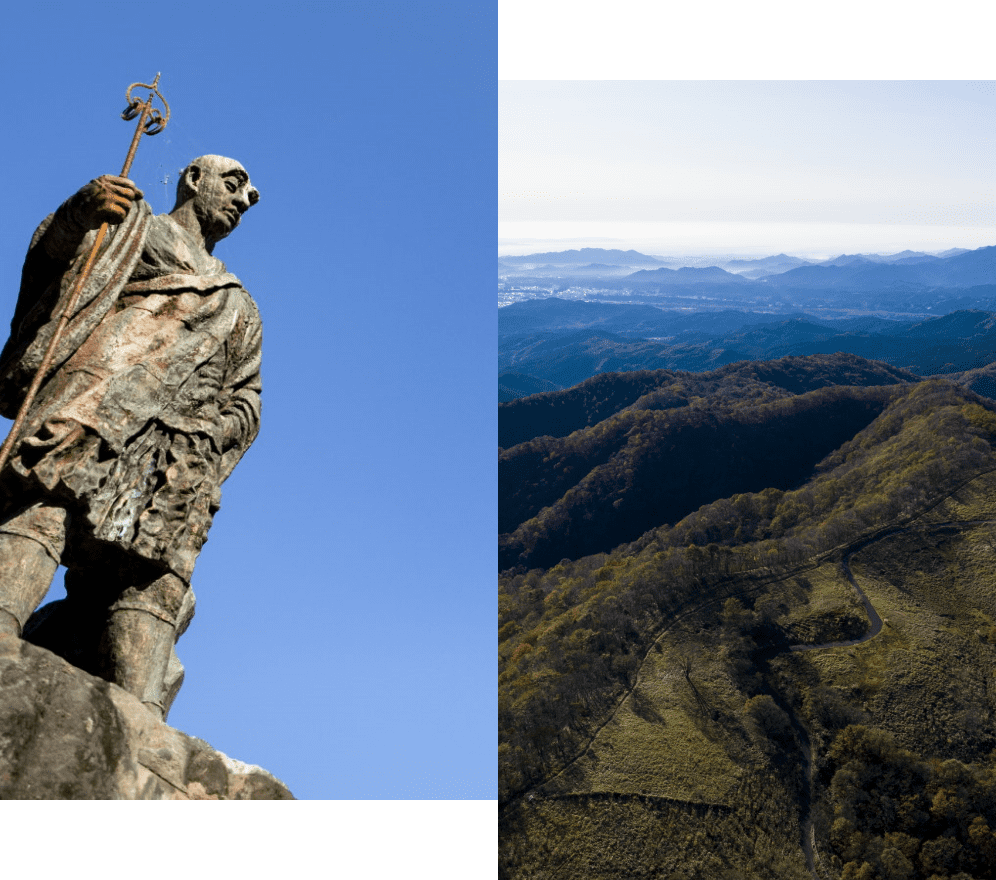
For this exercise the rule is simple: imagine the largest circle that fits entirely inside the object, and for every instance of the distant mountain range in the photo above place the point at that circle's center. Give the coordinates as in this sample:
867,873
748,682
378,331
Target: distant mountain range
611,263
780,262
564,342
555,270
612,257
766,266
966,269
684,275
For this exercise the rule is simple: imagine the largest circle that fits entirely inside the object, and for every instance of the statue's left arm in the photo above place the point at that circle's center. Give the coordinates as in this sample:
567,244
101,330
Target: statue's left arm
240,400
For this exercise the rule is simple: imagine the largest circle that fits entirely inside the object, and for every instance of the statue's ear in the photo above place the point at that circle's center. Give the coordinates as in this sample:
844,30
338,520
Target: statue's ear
192,176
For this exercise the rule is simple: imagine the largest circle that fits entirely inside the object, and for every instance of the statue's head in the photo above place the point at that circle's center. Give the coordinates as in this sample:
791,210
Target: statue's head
219,192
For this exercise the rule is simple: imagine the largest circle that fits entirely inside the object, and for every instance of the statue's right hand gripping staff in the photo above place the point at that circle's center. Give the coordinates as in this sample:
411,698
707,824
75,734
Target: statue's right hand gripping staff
150,122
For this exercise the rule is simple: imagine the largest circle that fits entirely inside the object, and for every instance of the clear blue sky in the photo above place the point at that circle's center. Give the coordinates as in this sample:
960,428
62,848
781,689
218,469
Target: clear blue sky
812,168
344,636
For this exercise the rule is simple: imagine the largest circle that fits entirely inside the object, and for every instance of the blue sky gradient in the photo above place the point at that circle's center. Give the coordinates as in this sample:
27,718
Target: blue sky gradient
344,636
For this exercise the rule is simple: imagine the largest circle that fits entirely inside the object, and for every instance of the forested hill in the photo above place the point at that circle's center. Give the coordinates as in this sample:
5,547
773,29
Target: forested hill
646,467
559,413
707,696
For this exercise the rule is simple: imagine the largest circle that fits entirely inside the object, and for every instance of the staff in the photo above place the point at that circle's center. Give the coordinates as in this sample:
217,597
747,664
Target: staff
150,122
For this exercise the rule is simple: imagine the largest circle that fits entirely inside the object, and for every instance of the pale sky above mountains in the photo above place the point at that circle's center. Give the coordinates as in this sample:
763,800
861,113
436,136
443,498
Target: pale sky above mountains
811,168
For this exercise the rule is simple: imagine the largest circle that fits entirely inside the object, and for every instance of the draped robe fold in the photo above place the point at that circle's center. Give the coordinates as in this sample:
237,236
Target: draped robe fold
152,398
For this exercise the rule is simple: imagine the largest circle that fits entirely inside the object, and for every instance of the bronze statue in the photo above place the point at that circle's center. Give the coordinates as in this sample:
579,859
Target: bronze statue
152,398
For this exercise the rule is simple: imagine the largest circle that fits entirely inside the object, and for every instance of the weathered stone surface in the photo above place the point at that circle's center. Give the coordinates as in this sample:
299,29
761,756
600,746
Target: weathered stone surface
65,734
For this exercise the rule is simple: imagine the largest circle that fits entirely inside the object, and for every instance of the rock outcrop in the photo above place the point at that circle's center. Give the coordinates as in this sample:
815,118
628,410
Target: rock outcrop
65,734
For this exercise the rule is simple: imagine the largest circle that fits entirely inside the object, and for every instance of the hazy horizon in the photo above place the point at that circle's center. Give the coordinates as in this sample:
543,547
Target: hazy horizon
754,241
813,168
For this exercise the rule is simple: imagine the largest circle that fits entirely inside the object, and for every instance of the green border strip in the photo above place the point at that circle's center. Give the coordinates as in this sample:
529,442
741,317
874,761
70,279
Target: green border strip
352,840
720,39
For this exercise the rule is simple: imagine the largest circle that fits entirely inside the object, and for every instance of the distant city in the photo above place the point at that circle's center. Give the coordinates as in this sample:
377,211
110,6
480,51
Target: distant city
718,280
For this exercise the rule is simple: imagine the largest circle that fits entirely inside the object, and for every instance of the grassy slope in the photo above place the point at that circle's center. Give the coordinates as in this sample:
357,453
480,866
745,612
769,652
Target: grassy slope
699,776
682,782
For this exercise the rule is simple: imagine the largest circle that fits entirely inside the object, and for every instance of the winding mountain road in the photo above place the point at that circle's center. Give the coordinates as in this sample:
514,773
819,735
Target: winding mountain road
873,616
875,627
875,621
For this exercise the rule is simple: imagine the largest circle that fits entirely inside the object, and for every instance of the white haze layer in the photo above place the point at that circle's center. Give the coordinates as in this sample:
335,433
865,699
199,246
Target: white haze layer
812,169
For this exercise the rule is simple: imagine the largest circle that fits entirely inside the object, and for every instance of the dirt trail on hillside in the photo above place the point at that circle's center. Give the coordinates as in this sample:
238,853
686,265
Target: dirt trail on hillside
876,623
875,627
874,620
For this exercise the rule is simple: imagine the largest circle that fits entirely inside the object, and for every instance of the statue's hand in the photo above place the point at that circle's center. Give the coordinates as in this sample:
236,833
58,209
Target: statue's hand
104,200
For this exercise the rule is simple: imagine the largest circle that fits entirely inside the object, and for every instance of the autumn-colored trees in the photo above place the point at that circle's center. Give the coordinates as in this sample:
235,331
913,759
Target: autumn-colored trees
899,816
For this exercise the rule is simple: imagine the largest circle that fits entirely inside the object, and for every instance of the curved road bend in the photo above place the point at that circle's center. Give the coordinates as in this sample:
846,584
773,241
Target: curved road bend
873,616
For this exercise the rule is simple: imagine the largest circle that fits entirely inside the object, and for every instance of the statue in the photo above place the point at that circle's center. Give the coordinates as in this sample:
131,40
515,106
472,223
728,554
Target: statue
151,399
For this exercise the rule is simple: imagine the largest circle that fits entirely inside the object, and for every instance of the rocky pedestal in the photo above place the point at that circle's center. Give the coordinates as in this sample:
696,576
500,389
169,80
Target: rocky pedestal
68,735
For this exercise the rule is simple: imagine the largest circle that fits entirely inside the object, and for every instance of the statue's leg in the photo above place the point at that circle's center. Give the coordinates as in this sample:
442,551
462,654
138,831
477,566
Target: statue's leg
174,671
137,643
31,546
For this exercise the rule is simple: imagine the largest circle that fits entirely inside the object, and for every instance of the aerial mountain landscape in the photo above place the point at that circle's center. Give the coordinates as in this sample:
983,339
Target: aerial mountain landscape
747,568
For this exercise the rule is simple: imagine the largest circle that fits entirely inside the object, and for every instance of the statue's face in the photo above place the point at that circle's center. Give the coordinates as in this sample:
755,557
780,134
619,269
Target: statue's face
222,194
